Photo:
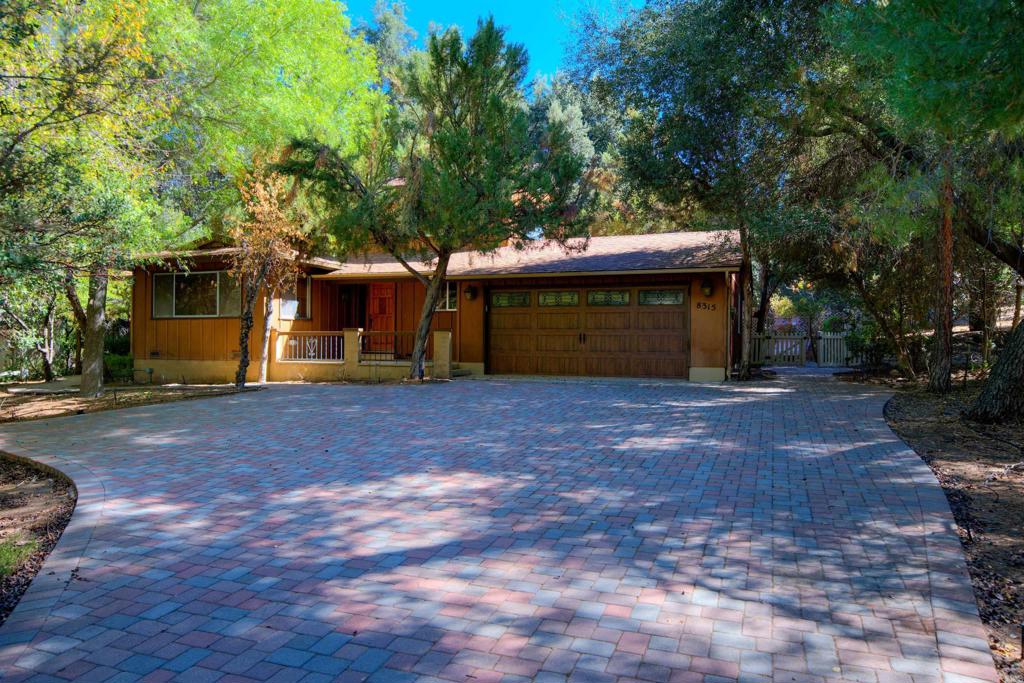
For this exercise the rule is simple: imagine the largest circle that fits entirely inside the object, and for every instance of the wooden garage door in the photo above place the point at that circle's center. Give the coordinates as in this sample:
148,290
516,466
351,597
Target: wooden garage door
608,331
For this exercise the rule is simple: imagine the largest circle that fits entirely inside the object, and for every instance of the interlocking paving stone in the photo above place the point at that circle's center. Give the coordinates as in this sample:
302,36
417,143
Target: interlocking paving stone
498,531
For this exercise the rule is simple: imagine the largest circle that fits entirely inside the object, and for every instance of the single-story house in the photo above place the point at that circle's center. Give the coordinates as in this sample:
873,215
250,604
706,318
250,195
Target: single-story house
661,305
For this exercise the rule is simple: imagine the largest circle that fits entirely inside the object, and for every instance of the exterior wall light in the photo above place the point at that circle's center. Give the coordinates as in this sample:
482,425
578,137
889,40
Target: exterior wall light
707,288
470,293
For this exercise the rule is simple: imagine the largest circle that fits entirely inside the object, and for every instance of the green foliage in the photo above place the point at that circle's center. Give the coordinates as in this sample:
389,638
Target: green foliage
251,75
13,551
705,85
948,66
455,164
119,367
457,167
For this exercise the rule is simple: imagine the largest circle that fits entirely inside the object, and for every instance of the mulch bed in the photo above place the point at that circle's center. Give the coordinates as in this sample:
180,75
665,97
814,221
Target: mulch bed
17,407
981,469
35,506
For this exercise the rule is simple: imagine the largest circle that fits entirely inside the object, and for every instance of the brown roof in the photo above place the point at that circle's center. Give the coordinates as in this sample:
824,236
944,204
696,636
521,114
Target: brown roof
674,251
221,252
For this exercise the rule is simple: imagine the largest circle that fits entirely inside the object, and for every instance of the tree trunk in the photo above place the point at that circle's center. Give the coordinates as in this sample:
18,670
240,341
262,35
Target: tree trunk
49,347
94,332
419,348
1017,303
1002,397
764,302
942,350
747,301
71,291
897,339
268,312
252,290
987,321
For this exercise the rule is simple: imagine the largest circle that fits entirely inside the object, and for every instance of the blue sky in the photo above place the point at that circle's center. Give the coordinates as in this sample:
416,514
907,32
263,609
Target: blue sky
543,26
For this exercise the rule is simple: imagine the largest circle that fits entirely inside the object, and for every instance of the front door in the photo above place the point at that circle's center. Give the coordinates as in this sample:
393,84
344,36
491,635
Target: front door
380,316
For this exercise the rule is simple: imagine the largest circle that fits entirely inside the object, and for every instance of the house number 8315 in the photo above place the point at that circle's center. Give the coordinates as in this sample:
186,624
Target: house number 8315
705,306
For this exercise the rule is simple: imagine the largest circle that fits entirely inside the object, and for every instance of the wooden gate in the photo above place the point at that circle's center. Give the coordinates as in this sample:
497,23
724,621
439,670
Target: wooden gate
833,351
780,349
830,349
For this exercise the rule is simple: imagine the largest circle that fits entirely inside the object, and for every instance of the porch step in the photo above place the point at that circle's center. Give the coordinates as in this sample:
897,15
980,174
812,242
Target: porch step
459,371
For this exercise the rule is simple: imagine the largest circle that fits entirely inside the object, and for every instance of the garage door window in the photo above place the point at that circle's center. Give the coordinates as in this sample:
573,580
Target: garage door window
510,299
558,299
661,297
608,297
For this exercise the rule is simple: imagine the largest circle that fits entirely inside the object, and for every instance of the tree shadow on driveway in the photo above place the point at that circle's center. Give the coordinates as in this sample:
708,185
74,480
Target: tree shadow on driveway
481,530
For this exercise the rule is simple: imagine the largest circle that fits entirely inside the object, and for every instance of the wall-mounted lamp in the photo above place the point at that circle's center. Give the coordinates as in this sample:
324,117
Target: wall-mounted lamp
470,293
707,288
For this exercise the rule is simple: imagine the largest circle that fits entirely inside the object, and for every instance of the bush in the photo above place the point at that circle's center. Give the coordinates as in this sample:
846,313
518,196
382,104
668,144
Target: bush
119,368
118,339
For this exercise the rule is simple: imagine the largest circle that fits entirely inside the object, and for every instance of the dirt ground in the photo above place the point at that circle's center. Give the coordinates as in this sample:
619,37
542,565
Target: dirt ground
981,469
35,506
29,406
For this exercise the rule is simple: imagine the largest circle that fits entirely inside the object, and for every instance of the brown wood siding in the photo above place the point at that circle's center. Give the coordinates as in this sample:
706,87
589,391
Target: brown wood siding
334,306
409,298
181,338
340,304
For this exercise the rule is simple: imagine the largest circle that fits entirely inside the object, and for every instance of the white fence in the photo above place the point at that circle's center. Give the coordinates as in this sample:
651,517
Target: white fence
311,347
830,349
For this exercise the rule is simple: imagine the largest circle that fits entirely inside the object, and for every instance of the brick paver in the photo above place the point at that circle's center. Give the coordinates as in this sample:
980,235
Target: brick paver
498,531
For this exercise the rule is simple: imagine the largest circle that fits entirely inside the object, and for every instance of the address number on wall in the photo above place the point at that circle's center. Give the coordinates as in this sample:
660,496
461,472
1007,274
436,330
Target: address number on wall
704,306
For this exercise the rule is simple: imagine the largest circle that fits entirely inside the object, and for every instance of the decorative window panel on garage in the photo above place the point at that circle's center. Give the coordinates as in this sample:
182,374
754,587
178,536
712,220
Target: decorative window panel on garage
661,297
510,299
608,297
558,299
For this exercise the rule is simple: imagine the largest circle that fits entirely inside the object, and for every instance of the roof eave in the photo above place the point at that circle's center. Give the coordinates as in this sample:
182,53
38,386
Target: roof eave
402,275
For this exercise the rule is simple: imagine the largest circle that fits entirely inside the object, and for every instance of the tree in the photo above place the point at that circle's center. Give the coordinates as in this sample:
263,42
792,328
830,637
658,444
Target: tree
921,53
30,311
707,85
269,237
467,175
120,105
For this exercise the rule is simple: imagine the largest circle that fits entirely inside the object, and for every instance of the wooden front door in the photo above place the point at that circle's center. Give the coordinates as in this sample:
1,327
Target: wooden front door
380,315
608,331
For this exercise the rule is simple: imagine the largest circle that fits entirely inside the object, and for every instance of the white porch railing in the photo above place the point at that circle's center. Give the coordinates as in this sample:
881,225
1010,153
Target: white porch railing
311,347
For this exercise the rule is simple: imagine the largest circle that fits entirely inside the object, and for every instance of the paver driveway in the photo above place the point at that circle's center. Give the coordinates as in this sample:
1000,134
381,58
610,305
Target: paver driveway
498,530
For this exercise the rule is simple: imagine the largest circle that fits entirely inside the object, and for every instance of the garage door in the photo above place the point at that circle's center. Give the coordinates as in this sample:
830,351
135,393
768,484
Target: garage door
624,332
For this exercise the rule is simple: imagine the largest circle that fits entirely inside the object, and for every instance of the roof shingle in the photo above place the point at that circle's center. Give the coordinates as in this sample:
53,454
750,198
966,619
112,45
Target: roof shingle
672,251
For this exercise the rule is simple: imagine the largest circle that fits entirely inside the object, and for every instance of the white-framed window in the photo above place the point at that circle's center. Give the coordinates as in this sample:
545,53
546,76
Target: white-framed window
296,301
197,294
449,299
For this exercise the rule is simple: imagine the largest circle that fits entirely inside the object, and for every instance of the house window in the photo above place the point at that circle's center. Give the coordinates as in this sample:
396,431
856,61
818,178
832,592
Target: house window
510,299
449,299
295,301
608,297
209,294
558,299
661,297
